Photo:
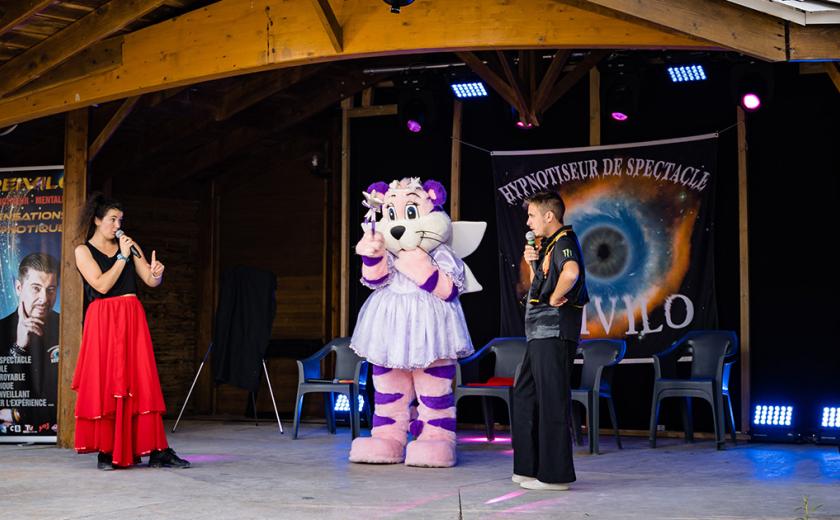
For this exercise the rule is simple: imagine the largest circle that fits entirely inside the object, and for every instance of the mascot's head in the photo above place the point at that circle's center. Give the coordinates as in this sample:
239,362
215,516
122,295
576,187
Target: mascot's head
412,214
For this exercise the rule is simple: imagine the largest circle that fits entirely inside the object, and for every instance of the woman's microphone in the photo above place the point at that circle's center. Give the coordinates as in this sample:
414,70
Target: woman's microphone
134,250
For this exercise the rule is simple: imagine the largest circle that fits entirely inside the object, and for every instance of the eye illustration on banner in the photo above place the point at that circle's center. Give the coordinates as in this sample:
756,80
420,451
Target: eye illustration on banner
636,243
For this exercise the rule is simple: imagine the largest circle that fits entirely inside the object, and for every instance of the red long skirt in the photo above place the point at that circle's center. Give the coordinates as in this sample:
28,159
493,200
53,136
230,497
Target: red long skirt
119,407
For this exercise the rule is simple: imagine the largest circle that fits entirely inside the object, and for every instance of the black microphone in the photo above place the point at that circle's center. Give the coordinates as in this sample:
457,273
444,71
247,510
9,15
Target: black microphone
531,237
134,250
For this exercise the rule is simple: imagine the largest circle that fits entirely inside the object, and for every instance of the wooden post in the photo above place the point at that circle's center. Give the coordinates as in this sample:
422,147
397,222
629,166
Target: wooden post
72,299
743,226
455,178
346,105
594,107
208,289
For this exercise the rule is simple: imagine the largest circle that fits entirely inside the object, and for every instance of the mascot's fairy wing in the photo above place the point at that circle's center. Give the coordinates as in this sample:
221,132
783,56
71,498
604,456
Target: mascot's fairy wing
466,236
470,283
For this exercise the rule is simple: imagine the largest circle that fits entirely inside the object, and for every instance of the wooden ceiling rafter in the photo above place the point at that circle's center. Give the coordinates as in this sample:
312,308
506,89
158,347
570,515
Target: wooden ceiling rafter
571,78
551,87
225,99
111,126
73,39
237,136
331,26
833,71
15,12
156,59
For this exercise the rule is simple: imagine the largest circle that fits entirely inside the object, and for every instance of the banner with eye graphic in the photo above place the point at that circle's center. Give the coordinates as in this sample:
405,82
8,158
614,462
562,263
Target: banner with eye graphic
642,213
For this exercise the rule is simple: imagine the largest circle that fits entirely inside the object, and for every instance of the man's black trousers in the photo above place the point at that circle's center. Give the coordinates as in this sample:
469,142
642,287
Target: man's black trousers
542,440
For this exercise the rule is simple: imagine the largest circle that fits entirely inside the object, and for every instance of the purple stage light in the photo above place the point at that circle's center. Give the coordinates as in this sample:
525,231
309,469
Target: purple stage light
413,126
750,101
619,116
524,125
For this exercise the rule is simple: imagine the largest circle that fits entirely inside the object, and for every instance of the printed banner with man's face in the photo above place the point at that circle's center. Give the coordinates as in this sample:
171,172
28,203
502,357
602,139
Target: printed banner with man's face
642,213
30,252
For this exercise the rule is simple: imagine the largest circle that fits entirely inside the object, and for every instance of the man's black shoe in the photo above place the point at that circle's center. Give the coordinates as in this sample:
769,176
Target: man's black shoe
103,462
167,459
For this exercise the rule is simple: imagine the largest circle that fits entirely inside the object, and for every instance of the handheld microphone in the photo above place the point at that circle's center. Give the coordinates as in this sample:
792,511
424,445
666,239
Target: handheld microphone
531,237
134,250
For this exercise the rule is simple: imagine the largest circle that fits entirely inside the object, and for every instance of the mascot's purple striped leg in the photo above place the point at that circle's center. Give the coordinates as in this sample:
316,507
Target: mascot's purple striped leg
386,445
434,429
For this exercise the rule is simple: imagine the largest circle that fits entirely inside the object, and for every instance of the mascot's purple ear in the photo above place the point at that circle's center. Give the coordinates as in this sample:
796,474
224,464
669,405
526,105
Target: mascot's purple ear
378,187
436,191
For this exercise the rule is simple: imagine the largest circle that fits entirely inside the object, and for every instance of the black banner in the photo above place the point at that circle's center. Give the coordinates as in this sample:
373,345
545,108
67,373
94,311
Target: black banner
642,212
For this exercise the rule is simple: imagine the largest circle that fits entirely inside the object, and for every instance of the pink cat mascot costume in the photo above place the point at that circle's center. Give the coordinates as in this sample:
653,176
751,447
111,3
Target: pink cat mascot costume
411,328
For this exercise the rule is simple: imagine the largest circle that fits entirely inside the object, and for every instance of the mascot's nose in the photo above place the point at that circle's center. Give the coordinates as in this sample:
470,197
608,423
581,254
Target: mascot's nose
397,231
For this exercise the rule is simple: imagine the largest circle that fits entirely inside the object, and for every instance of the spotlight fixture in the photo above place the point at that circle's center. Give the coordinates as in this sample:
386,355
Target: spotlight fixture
416,107
751,101
342,403
413,113
622,97
687,73
752,85
774,423
829,432
396,4
773,415
469,90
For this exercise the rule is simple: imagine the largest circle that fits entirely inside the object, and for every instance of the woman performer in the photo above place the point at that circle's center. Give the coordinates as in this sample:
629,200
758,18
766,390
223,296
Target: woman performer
119,408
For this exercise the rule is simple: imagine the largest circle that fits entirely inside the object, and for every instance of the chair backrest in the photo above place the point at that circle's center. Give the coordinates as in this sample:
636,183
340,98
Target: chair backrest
509,353
596,354
708,350
345,358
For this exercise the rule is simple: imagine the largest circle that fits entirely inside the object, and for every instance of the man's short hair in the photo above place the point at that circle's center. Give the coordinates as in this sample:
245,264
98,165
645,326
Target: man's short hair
37,262
549,201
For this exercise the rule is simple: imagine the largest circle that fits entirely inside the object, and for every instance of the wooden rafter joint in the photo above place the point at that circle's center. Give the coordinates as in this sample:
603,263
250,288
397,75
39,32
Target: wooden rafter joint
327,18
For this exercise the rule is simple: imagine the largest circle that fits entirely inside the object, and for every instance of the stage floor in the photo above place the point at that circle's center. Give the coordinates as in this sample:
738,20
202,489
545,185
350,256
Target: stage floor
243,471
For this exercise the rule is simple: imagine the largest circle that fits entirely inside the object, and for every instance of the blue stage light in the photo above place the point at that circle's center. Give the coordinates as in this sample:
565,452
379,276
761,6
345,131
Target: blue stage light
342,404
687,73
830,417
469,90
773,415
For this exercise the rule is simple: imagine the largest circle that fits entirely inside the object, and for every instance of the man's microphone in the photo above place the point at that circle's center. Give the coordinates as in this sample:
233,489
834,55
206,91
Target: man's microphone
531,237
134,250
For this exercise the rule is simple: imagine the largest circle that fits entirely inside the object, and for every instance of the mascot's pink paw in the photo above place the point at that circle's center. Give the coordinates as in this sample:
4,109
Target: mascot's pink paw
430,454
376,450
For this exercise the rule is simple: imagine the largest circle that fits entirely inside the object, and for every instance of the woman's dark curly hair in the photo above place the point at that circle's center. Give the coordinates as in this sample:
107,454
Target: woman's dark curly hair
97,206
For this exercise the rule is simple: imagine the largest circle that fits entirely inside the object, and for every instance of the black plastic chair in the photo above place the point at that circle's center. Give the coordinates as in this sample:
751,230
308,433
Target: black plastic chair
508,354
599,358
713,354
349,379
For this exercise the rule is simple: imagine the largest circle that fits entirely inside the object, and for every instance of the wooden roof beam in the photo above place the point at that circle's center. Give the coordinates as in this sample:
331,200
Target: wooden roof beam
833,71
237,136
521,104
489,76
71,40
232,37
15,12
250,91
570,79
555,68
733,26
331,25
111,126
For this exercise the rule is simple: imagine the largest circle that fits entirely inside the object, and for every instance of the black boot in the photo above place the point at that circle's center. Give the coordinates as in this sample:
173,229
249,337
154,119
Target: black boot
167,459
103,462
